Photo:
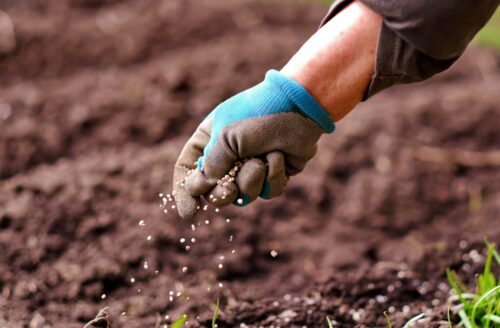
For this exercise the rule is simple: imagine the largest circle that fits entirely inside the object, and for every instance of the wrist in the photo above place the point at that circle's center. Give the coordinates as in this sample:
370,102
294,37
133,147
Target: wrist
336,64
302,99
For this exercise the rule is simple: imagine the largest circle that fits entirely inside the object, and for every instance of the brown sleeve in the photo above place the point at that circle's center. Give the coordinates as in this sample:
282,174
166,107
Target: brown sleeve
419,39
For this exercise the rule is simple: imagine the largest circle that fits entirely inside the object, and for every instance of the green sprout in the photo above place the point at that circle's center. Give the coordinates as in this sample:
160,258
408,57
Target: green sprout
330,324
179,322
482,308
216,312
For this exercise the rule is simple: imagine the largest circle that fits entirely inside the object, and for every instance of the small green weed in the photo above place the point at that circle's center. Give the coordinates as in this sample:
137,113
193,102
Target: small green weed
216,312
179,322
482,308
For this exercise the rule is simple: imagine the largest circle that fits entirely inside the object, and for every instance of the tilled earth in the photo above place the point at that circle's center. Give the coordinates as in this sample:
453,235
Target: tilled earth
96,100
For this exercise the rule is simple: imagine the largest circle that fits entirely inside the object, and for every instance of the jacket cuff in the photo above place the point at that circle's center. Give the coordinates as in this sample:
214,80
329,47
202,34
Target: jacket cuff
397,61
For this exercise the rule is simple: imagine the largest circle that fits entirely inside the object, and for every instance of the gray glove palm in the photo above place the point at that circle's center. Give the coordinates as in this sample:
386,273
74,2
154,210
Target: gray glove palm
273,127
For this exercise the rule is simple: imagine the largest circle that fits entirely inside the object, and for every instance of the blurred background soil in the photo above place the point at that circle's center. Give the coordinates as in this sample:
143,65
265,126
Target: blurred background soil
96,100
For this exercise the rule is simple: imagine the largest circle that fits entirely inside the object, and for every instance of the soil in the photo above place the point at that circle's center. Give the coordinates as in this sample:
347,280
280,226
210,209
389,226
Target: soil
96,101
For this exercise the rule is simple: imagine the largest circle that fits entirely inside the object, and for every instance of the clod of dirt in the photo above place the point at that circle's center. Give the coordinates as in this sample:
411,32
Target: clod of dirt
7,34
38,321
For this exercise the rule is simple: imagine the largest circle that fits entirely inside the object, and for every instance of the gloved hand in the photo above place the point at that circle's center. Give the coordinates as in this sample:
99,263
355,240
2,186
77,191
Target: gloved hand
273,128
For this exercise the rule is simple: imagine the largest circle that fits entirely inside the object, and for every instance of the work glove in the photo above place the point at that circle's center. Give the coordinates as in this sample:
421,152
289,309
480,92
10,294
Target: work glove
250,145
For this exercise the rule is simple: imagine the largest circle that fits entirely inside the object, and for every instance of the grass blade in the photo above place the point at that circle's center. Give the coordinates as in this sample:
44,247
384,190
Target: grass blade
330,324
465,319
453,280
491,292
414,319
493,318
389,322
216,312
179,322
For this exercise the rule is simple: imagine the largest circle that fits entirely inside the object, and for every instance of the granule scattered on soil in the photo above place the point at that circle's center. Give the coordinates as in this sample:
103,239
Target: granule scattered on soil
91,127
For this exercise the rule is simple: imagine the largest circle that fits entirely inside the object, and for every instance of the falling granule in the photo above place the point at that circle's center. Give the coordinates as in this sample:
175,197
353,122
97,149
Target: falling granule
188,248
228,220
231,238
217,210
149,238
184,269
167,317
142,223
178,294
221,285
193,240
205,207
182,240
276,303
156,272
221,257
103,296
240,201
193,227
274,253
233,251
171,298
165,211
146,266
173,206
207,221
221,265
171,293
124,313
139,291
132,280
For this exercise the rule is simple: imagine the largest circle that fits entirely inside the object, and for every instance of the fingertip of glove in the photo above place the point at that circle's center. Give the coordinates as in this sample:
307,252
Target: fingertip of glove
223,194
187,207
197,184
266,190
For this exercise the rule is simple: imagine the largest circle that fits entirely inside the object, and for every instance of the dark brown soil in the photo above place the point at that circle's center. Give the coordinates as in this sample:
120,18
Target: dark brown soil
95,103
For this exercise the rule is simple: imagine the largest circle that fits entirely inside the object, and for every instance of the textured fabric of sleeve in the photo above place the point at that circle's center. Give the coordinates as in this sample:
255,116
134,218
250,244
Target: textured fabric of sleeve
419,39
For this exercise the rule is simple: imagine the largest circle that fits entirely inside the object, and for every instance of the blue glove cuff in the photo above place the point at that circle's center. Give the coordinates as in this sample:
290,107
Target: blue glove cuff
308,106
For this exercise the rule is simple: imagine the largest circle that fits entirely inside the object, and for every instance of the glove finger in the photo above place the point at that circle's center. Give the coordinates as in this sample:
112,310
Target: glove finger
250,180
224,193
219,158
276,178
186,204
197,183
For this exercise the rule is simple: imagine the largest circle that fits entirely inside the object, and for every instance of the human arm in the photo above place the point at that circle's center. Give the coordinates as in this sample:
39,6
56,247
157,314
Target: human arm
277,123
419,39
